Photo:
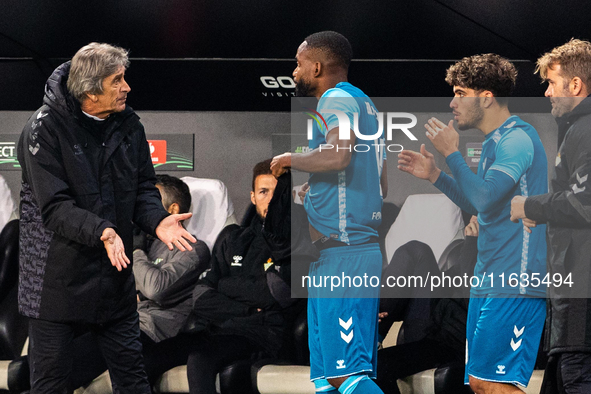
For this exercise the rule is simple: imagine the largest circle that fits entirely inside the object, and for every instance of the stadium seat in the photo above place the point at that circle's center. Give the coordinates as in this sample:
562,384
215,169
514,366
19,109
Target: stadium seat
211,207
430,218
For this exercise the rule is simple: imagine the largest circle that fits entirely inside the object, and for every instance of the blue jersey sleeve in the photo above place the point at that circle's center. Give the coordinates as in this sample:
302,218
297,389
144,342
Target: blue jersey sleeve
481,193
450,188
337,99
514,154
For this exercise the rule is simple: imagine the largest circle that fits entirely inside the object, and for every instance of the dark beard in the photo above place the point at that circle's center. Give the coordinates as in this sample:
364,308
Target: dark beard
476,114
304,89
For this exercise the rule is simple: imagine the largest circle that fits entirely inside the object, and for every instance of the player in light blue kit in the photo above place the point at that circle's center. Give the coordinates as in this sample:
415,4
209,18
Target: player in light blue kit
505,322
344,205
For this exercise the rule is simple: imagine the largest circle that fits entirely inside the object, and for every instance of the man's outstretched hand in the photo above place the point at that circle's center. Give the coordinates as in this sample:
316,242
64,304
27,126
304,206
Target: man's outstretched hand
115,248
173,234
422,165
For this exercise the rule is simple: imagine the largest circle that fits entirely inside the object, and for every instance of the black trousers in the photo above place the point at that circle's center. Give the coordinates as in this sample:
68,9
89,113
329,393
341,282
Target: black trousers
158,357
51,355
211,354
400,361
568,373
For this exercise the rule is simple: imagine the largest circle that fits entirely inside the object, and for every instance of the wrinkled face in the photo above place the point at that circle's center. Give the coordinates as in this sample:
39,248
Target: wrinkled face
559,92
466,108
114,94
303,75
264,187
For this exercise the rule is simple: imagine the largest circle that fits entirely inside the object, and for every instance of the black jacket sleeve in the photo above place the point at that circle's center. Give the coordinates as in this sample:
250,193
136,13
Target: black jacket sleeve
43,169
570,205
277,225
149,211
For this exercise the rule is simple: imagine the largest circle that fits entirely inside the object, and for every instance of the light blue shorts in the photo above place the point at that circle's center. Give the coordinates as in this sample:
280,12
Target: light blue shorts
502,338
342,331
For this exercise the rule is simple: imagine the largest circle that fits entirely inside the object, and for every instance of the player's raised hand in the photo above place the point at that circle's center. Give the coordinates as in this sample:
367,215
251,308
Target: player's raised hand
443,136
280,164
173,234
422,165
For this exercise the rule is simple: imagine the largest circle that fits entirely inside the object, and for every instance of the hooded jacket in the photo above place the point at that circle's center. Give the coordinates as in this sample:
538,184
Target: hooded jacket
567,212
247,291
79,177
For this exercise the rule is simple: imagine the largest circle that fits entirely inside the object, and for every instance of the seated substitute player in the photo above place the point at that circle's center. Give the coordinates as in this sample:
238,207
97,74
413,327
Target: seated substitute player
505,322
243,304
344,210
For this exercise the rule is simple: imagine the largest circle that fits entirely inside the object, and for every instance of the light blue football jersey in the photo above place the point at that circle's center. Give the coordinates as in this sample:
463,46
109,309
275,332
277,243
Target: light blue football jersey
505,247
346,205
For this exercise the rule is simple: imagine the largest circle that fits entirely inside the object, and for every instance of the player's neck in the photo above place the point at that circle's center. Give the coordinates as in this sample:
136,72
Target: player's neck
494,119
330,82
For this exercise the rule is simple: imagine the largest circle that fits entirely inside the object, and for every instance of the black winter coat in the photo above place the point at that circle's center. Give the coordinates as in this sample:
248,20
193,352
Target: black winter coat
567,212
79,177
251,270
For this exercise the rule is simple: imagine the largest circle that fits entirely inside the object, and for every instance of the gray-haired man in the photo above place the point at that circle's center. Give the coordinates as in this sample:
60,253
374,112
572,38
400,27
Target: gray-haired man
87,175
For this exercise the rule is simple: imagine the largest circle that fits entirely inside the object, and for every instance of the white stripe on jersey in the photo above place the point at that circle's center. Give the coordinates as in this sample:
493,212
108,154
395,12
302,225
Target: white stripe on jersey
342,186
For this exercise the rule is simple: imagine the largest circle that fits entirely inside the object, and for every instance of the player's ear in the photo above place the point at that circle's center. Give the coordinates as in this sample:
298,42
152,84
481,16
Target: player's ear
487,98
252,198
317,69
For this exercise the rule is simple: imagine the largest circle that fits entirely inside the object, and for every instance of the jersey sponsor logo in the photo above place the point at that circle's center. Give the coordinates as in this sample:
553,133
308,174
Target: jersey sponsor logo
237,261
341,364
500,369
376,216
346,325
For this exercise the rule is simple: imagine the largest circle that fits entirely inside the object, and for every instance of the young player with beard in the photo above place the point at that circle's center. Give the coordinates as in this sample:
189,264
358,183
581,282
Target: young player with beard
504,323
344,210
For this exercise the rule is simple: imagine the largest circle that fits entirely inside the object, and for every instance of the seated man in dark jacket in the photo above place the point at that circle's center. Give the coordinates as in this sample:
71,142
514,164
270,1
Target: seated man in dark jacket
243,306
165,278
243,300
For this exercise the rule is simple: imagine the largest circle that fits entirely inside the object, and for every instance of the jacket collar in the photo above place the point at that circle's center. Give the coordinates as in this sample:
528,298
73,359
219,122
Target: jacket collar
584,108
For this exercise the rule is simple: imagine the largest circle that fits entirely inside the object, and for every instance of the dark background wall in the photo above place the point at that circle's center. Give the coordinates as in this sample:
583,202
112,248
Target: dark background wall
210,54
220,69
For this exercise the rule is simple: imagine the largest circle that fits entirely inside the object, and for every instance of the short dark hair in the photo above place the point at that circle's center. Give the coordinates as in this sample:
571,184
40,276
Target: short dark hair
484,72
334,44
262,168
174,191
